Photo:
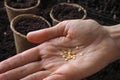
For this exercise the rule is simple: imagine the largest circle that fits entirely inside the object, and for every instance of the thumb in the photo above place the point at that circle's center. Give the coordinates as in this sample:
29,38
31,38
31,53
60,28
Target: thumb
46,34
66,72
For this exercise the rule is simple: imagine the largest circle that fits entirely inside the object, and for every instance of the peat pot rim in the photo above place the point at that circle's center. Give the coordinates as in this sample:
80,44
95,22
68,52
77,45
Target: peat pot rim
17,18
22,9
71,4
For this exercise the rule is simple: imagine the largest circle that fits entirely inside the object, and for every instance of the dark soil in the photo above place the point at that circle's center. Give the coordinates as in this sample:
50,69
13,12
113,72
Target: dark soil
7,47
44,12
47,3
65,12
1,4
101,19
29,24
21,3
45,7
107,8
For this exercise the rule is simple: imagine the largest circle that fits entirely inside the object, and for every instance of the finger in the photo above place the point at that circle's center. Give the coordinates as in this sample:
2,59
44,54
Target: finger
46,34
37,76
55,77
21,72
66,72
20,59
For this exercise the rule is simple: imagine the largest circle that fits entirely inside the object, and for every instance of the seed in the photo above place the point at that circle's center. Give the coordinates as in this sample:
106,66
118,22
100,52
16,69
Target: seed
74,57
69,50
63,56
66,59
64,51
81,54
69,54
69,57
77,48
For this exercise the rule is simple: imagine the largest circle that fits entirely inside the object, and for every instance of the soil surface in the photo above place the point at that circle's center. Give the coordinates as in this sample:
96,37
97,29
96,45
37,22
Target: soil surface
1,4
44,12
65,12
29,24
107,8
7,47
21,3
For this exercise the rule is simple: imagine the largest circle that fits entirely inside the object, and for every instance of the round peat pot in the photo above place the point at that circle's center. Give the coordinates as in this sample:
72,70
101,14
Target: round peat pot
66,11
17,7
24,23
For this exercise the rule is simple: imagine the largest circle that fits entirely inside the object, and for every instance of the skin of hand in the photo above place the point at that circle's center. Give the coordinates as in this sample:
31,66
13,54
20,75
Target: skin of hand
44,62
114,32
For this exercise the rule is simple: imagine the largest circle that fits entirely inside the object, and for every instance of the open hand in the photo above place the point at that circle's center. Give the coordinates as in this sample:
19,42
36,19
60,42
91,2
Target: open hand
71,50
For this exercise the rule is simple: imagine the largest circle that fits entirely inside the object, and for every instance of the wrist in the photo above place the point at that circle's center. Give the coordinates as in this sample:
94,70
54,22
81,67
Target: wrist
114,32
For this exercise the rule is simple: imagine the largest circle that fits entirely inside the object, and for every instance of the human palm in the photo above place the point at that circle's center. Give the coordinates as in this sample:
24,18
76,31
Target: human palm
71,50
